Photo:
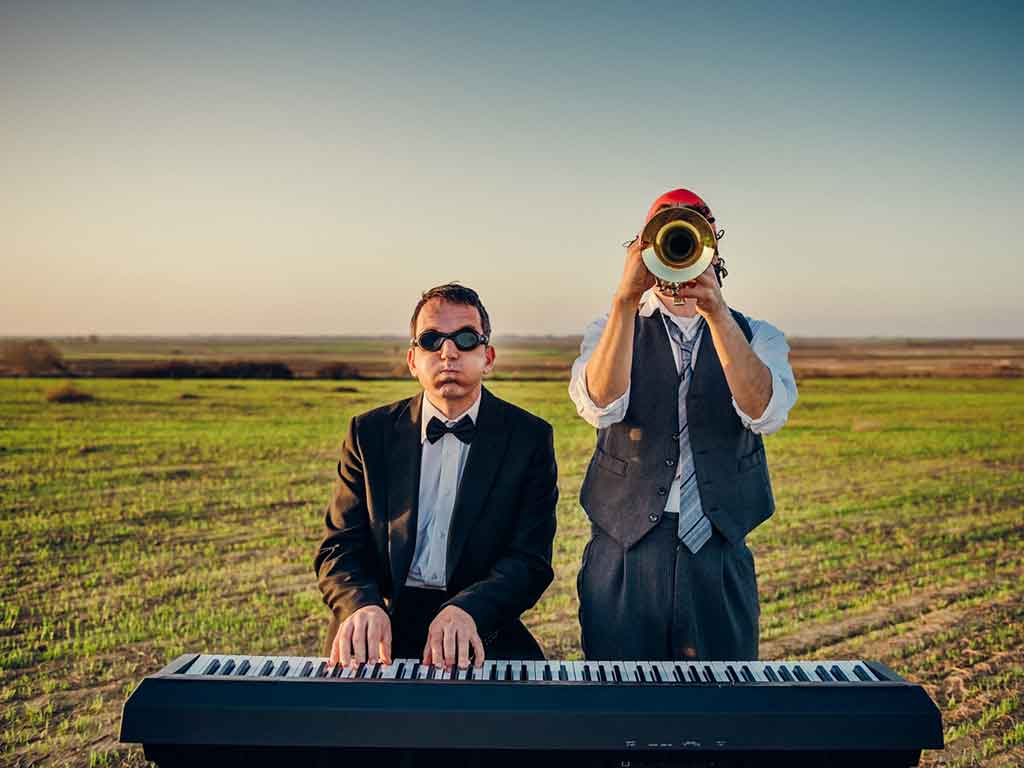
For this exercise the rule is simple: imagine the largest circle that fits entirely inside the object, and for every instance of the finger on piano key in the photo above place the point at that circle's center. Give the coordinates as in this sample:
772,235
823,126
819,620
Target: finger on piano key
490,670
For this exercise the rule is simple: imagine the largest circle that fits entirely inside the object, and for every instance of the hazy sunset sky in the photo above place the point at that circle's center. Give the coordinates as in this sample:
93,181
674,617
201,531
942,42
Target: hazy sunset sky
175,168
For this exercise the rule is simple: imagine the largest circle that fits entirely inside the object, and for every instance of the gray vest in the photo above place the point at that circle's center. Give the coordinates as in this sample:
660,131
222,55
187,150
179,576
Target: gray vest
634,463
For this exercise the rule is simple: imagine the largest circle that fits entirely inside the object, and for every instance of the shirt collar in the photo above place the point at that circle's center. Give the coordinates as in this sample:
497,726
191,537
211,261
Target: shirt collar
649,303
430,411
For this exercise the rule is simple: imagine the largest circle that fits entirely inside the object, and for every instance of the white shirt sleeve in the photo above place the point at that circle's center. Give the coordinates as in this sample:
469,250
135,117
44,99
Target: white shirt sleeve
770,345
593,414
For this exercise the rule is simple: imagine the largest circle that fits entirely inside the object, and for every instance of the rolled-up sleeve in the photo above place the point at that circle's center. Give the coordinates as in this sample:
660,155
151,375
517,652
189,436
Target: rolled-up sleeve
770,345
595,415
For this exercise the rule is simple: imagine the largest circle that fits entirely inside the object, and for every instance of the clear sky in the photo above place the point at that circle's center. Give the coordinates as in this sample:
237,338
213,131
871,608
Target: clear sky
174,168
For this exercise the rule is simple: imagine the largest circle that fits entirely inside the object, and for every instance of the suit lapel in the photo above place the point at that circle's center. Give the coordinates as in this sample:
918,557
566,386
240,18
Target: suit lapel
486,454
404,490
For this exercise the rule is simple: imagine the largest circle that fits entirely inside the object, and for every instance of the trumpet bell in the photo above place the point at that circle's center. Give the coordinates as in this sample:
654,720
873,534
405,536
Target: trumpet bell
683,245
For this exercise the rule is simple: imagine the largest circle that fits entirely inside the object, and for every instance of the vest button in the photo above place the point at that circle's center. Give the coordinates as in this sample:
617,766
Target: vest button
675,436
662,491
652,517
669,462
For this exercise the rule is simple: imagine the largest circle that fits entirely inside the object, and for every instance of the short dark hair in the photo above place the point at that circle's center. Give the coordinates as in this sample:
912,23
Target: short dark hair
454,294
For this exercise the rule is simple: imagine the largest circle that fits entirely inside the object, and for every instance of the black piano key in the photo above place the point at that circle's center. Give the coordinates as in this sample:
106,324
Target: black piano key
547,672
859,672
693,674
335,671
822,673
283,669
414,674
748,676
677,673
586,674
640,676
507,674
709,674
211,667
563,673
243,667
399,670
733,677
431,672
306,669
800,675
838,674
616,673
267,668
228,667
601,674
523,673
494,673
657,673
784,674
770,674
378,671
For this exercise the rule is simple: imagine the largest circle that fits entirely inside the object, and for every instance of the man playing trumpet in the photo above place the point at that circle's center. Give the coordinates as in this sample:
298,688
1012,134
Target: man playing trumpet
680,388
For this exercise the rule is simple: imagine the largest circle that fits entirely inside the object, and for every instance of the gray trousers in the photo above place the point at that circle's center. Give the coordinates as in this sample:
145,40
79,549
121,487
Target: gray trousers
657,600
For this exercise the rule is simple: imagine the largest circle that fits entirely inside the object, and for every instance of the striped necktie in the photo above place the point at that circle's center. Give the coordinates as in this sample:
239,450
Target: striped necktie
694,526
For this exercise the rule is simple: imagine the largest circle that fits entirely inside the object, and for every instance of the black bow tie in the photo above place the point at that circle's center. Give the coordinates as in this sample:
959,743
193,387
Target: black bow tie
464,429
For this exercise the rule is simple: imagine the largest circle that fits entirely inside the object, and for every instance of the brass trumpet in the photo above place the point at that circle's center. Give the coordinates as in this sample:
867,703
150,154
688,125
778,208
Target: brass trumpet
683,244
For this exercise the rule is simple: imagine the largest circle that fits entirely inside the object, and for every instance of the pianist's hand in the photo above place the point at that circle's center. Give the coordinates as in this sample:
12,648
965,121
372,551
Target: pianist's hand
451,634
364,637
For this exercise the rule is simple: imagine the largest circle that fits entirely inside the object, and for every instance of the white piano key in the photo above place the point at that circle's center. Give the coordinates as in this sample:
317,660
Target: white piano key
719,669
488,670
389,671
577,670
408,669
595,668
255,664
199,665
757,670
295,665
628,670
667,670
422,671
570,670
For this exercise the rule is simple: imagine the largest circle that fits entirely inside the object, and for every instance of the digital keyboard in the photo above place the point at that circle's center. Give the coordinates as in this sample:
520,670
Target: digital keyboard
265,710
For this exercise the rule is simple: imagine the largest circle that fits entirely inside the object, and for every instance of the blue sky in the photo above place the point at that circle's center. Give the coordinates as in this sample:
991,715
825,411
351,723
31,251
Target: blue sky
177,168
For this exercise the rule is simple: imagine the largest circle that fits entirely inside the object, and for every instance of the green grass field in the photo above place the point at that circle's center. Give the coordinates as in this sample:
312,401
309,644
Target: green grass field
172,516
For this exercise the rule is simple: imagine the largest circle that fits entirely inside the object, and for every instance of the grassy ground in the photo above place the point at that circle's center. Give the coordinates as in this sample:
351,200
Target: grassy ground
172,516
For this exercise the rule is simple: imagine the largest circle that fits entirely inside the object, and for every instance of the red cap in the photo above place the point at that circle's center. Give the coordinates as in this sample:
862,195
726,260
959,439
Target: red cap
678,197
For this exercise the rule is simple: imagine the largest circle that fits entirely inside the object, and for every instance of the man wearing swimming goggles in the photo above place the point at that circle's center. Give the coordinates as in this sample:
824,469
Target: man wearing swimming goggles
439,532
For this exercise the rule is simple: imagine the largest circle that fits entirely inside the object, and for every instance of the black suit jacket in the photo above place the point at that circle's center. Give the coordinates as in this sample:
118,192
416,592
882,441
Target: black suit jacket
502,528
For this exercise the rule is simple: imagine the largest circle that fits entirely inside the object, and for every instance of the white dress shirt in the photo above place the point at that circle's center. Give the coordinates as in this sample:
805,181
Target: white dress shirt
441,466
768,343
